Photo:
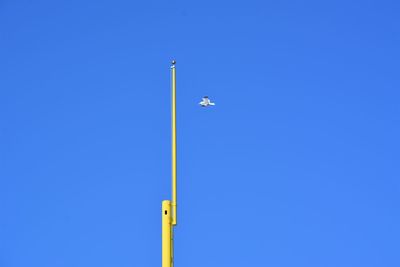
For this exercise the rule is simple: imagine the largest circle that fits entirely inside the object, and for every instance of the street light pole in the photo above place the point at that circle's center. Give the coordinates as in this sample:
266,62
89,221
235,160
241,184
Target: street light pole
169,218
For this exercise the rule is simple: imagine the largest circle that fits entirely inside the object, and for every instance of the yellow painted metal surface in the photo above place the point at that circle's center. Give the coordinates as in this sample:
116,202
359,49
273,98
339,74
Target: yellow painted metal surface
174,163
167,258
169,207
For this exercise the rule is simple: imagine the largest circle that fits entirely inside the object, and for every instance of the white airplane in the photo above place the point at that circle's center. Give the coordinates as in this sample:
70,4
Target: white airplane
205,102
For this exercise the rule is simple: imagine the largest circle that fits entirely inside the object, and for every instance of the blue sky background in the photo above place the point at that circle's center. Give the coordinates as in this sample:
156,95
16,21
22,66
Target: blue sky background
296,165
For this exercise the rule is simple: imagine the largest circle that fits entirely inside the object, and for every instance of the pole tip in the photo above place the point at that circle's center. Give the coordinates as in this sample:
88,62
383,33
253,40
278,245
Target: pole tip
173,62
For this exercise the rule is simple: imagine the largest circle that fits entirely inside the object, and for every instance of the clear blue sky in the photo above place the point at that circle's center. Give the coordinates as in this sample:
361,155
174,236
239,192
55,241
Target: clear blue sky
296,165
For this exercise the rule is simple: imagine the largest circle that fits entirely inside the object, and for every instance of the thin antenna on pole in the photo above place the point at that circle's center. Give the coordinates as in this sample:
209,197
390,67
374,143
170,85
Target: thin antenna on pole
174,163
169,218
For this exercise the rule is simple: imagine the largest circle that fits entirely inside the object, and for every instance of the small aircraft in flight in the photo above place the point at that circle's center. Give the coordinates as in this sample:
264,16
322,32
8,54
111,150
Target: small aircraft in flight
205,102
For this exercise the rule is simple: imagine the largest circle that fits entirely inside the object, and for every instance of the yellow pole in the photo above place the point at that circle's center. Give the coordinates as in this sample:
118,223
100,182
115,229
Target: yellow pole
174,203
169,207
166,234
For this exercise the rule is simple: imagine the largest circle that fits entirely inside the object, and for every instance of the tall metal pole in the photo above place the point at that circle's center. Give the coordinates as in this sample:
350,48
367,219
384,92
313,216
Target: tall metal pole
173,119
167,260
169,218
